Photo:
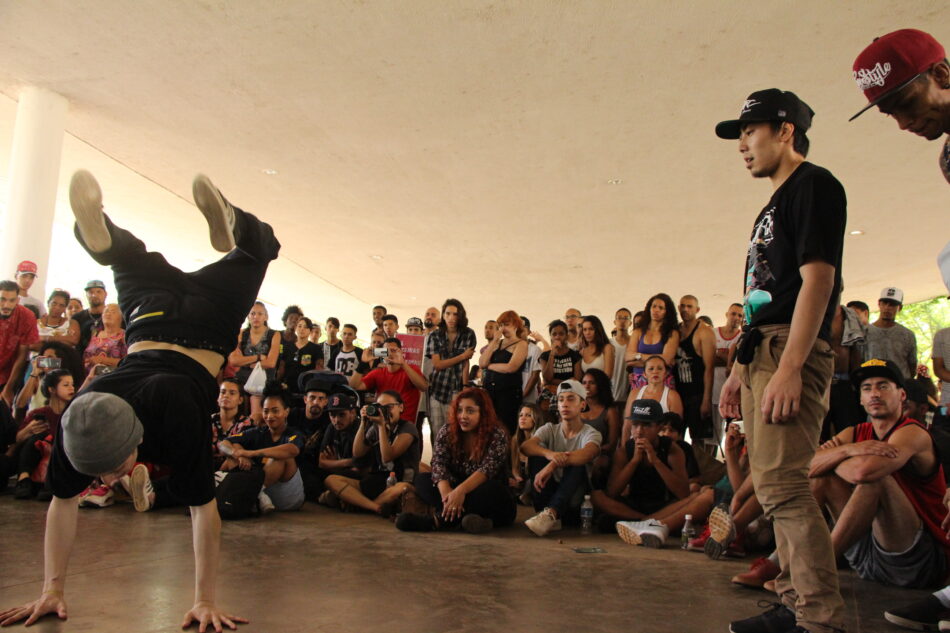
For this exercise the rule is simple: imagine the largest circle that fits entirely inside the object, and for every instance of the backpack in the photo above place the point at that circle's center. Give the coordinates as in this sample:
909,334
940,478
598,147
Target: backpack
237,493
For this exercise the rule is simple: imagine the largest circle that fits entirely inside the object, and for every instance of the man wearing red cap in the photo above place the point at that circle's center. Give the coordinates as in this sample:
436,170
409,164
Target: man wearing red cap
25,276
907,76
17,332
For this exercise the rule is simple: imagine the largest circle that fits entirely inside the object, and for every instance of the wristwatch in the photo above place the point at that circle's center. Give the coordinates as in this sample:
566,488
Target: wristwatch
638,357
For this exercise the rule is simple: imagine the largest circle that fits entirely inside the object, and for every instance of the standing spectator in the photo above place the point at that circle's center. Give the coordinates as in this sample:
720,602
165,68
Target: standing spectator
467,484
501,362
847,343
414,326
695,362
17,332
659,335
619,379
558,364
862,310
378,313
572,316
431,323
390,325
491,330
451,346
350,356
395,374
292,314
301,355
332,345
107,346
25,276
792,282
560,457
74,307
889,340
55,325
316,333
726,338
941,360
432,319
257,343
370,359
595,348
531,371
90,319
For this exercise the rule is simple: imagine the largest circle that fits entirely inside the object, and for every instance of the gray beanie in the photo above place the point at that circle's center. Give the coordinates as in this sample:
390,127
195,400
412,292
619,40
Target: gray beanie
100,431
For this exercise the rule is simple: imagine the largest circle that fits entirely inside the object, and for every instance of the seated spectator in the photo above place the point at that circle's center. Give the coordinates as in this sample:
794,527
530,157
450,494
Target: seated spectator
52,355
501,362
467,484
656,373
595,348
350,356
332,345
274,448
703,469
393,447
107,346
56,325
658,336
312,420
560,458
390,325
395,374
74,307
8,430
884,483
301,355
290,317
648,476
336,448
231,417
530,419
603,416
35,437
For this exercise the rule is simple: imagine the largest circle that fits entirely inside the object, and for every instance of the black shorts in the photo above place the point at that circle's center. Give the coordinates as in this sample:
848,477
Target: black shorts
373,484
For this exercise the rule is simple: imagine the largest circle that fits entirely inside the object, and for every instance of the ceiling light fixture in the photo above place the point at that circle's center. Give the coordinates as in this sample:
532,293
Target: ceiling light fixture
269,172
615,181
857,232
376,257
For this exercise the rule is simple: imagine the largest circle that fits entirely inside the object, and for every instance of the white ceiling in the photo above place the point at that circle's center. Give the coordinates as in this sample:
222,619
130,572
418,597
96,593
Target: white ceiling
472,144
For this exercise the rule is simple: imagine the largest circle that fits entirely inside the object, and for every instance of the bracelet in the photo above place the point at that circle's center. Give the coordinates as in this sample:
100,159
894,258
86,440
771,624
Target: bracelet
52,592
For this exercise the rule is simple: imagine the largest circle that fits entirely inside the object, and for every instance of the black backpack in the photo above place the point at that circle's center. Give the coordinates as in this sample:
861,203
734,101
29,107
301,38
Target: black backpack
238,491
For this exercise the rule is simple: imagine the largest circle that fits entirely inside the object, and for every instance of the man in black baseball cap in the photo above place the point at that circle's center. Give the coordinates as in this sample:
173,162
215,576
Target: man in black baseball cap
785,363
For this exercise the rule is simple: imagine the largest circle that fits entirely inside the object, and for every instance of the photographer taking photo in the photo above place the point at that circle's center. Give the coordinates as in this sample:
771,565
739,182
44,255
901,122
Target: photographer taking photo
396,449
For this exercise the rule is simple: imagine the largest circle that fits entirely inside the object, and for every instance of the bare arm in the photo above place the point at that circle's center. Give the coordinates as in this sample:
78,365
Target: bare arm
206,535
874,466
831,453
609,360
940,371
669,350
270,361
707,349
518,355
15,372
674,475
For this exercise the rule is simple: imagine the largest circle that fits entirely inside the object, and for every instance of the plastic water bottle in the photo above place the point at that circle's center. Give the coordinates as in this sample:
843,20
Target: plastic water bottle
689,531
391,481
587,516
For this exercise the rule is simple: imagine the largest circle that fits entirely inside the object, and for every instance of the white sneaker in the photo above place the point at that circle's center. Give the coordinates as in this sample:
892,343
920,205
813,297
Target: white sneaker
217,211
649,533
140,485
264,503
544,522
85,198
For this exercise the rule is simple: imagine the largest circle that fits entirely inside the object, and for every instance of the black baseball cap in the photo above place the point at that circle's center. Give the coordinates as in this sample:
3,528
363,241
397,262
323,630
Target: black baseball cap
341,401
875,368
768,105
645,411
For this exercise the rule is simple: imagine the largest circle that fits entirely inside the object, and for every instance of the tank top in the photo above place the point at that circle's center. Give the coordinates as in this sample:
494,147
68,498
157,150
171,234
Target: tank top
663,399
646,350
262,348
924,493
719,373
597,363
648,491
499,380
47,330
689,365
600,423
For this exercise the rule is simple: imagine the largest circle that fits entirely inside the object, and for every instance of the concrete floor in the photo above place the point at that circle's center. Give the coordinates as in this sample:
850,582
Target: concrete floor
320,570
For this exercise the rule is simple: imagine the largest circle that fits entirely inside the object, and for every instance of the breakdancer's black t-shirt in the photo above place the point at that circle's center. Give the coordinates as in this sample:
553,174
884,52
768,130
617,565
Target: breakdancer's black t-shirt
804,221
174,397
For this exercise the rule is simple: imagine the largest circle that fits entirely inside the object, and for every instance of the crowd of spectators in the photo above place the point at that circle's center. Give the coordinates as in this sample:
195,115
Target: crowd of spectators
625,417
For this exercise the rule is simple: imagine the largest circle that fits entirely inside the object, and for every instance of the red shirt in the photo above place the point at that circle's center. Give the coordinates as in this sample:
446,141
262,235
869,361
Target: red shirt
381,379
18,329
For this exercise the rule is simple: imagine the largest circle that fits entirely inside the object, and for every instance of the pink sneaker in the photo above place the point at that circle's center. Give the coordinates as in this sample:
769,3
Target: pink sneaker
97,496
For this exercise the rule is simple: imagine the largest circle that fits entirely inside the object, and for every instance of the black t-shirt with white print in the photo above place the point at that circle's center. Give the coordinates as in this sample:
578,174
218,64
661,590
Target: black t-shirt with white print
563,365
804,221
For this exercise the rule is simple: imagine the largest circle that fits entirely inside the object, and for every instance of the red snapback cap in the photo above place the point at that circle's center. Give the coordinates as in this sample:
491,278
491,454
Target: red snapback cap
26,266
892,61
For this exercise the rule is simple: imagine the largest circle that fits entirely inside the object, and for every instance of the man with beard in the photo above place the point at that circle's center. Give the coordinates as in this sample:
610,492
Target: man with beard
17,332
311,420
90,319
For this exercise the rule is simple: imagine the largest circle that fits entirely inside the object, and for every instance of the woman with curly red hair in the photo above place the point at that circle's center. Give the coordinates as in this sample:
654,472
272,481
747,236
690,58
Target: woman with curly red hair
468,484
501,362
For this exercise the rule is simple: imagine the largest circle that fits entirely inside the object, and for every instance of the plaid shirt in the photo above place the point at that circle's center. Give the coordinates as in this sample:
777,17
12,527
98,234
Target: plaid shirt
445,383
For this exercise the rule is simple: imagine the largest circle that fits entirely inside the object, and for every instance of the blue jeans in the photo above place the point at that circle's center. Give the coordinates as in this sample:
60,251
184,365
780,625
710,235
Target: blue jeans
560,495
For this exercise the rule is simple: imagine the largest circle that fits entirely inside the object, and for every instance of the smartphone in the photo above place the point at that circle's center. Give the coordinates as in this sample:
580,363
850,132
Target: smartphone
102,370
49,362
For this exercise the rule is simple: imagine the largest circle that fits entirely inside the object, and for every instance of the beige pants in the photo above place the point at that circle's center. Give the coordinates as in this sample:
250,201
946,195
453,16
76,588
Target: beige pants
779,456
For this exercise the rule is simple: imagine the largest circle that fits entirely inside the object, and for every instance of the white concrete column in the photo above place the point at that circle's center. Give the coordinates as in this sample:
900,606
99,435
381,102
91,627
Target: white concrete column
27,225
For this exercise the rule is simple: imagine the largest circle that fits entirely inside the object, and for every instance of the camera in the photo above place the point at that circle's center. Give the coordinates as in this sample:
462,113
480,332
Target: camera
373,411
103,369
380,352
49,362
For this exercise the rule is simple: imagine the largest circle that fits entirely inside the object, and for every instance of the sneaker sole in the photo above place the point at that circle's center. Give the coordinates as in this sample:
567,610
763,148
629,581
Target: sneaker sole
536,531
213,206
722,532
140,483
913,625
85,198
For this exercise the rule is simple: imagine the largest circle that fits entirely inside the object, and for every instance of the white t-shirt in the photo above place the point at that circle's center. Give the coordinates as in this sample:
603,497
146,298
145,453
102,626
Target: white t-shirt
531,364
942,350
551,437
719,373
621,379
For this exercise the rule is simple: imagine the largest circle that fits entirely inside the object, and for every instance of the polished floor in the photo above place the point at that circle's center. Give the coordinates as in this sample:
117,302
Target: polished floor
319,570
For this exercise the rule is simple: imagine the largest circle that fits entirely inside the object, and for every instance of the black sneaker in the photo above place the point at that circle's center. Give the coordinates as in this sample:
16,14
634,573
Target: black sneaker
922,615
414,522
476,524
776,619
25,489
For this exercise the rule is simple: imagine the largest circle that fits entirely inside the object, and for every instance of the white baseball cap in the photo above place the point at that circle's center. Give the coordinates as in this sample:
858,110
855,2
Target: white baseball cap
572,386
893,294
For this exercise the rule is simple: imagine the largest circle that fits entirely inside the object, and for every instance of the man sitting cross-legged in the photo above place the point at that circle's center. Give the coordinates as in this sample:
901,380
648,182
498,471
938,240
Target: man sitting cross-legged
648,488
884,484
